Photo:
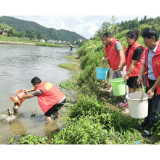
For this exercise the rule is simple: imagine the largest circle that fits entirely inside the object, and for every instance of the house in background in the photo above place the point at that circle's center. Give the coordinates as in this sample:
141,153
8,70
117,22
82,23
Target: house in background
5,29
80,40
54,41
5,33
42,40
60,41
50,40
64,42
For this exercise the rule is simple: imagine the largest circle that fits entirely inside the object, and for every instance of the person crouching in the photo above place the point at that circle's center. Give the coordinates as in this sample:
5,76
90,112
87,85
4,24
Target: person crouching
50,98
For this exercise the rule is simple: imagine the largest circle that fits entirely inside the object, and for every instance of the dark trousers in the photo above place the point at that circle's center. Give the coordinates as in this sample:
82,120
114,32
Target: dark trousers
153,109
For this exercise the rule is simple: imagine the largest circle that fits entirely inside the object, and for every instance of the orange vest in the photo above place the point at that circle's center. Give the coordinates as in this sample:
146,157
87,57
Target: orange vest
136,70
113,54
51,96
155,65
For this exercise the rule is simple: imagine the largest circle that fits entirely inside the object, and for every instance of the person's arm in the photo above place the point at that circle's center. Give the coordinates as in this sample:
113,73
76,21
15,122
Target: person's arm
29,90
121,55
142,71
27,96
131,67
123,64
104,59
151,91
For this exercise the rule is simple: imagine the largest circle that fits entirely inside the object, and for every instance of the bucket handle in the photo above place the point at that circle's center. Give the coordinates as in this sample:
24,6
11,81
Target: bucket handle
142,91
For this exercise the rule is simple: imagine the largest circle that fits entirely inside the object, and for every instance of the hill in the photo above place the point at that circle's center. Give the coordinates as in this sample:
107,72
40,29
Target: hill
38,30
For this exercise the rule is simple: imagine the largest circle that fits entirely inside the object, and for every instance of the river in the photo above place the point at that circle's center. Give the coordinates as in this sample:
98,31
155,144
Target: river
18,65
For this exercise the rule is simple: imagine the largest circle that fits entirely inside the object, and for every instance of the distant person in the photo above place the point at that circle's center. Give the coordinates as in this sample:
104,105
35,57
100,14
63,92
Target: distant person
133,60
115,56
70,48
50,98
151,64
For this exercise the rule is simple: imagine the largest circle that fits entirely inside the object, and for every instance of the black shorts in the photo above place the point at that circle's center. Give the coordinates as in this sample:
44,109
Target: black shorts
132,81
55,108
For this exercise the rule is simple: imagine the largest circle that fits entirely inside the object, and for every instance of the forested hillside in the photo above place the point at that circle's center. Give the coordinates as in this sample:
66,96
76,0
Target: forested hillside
39,31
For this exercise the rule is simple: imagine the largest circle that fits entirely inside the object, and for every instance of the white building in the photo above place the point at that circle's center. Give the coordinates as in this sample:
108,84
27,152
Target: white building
50,40
54,41
42,40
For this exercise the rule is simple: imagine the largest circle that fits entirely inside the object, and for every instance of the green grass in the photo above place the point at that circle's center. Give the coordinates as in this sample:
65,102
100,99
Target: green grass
73,58
47,44
70,66
14,39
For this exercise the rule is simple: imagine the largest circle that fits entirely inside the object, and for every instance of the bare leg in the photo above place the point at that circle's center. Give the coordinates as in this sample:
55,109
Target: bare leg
48,119
56,114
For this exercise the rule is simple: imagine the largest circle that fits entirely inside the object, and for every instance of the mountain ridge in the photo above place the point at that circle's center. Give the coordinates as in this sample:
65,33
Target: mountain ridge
47,33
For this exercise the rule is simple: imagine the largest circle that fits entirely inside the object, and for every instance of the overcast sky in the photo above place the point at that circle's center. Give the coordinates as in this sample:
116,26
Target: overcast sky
85,25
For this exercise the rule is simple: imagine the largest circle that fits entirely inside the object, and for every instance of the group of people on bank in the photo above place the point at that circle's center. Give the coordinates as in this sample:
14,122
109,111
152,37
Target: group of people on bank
138,65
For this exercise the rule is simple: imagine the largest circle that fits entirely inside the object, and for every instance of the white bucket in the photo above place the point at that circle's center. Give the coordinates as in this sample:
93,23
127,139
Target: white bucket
138,104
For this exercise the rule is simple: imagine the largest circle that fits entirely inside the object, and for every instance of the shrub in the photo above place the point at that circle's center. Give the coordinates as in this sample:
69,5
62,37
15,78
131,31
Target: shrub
81,131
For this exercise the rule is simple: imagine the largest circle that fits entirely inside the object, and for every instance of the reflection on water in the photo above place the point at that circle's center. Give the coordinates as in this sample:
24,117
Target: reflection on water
18,65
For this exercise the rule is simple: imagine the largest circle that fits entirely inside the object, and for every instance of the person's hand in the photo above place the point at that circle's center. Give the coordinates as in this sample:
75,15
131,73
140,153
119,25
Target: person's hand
25,90
150,93
126,77
140,80
120,67
104,59
19,96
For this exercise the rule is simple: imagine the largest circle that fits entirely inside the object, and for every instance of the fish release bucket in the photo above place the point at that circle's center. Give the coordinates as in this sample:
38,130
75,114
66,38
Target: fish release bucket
138,104
16,99
118,86
101,73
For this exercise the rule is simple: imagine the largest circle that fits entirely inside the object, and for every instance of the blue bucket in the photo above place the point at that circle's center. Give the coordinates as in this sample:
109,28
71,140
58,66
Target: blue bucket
101,73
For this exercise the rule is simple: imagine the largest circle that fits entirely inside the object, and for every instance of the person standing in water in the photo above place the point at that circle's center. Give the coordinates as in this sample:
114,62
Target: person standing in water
133,60
70,48
50,98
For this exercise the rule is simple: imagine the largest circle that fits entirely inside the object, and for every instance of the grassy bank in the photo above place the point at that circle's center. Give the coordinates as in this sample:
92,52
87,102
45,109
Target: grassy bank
21,40
14,39
47,44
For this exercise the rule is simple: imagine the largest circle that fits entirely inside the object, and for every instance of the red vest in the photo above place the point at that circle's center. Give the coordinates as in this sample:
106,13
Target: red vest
113,54
136,70
155,65
51,96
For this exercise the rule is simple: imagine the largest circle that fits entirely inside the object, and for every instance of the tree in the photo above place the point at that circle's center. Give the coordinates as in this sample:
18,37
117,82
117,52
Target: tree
39,36
10,32
29,33
145,18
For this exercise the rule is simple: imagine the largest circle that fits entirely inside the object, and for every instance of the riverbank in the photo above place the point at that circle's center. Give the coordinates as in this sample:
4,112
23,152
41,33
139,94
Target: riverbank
17,43
22,41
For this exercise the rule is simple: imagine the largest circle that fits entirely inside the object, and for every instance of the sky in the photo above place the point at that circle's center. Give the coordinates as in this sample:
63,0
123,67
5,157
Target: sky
85,25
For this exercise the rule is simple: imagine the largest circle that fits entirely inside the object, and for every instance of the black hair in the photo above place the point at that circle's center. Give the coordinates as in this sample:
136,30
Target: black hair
149,33
36,80
108,34
133,34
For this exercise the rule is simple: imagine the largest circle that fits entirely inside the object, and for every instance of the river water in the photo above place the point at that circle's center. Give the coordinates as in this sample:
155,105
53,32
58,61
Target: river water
18,65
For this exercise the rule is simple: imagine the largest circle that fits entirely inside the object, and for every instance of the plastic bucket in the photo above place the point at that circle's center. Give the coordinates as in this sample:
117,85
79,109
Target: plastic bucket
16,99
138,104
101,73
118,86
